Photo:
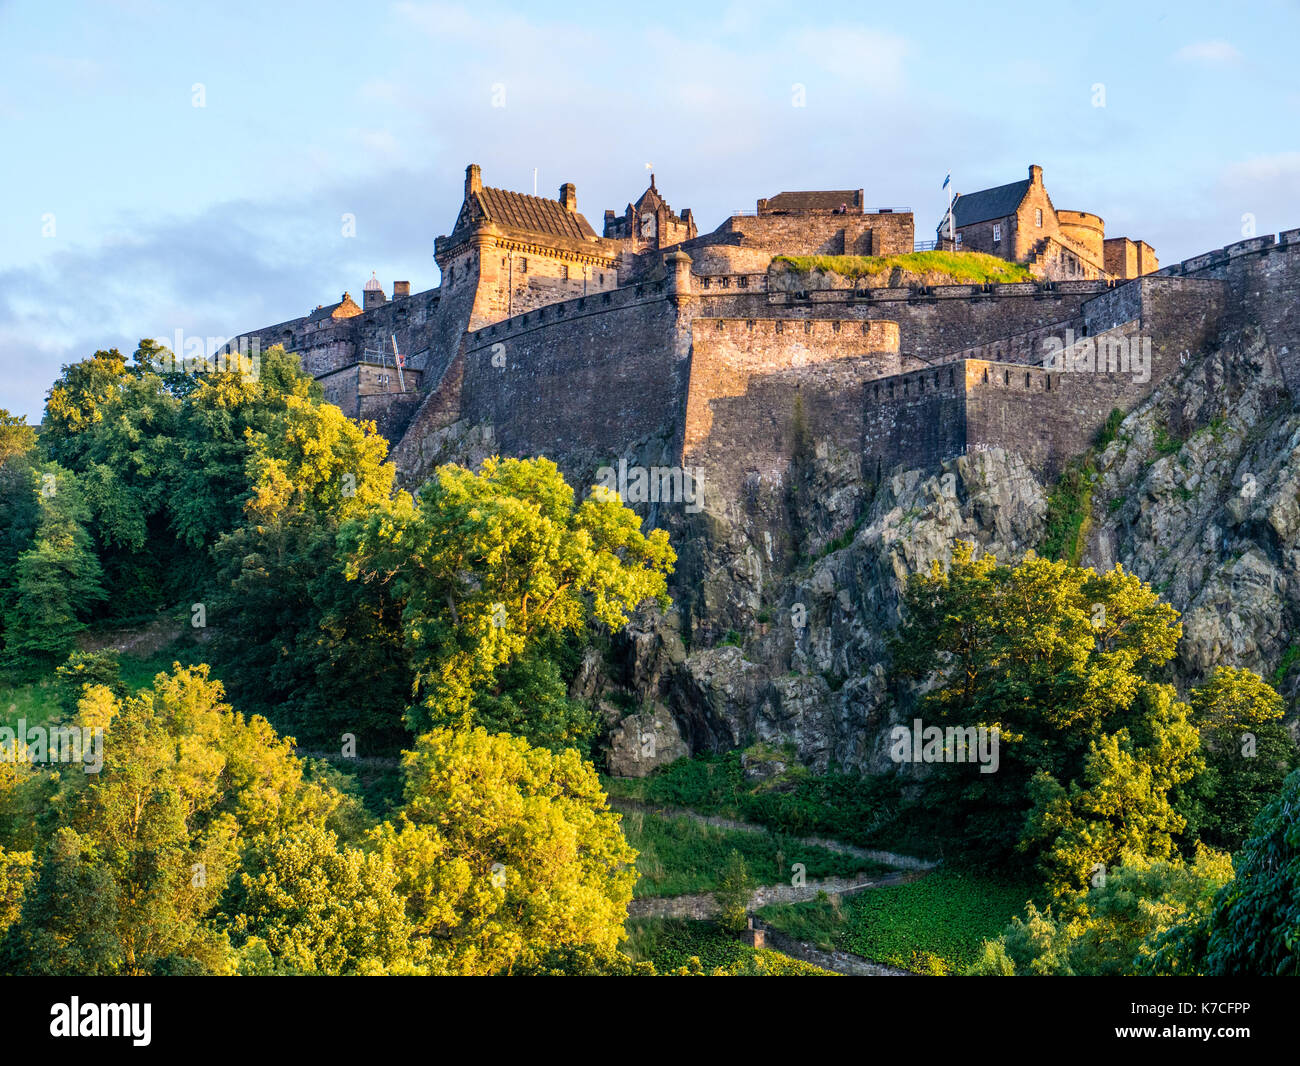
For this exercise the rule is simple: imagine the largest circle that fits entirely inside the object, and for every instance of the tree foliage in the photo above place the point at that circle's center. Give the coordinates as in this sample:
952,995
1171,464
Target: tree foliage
486,564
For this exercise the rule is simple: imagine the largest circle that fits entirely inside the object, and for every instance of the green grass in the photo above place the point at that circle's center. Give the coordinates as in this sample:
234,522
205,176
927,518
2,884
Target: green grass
1069,504
1165,444
935,924
974,268
39,701
677,856
138,673
846,807
36,701
674,943
1284,666
1069,512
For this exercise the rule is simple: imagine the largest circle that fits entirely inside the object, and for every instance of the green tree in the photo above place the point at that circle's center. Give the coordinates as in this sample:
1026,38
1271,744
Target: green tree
1113,928
1254,929
322,908
132,860
506,852
1060,661
1248,753
295,638
56,582
735,888
487,564
16,436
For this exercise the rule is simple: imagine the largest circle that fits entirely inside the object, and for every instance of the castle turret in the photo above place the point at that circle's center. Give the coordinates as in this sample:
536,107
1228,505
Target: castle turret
373,294
680,285
473,180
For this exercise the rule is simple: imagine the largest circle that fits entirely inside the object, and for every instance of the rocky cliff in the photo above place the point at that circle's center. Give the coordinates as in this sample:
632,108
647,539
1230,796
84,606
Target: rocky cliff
781,638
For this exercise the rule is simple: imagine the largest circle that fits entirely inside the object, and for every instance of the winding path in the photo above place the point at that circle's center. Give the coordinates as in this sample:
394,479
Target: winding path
703,905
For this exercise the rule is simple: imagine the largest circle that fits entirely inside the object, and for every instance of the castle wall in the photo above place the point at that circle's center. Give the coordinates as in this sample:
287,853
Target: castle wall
512,282
592,374
883,233
916,419
1262,277
932,325
745,376
1047,417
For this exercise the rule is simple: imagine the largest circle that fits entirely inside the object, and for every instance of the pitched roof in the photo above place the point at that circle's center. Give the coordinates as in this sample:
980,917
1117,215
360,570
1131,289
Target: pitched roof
990,203
822,200
536,214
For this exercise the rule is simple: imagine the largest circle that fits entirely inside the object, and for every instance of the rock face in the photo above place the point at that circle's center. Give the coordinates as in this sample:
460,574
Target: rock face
785,594
1199,494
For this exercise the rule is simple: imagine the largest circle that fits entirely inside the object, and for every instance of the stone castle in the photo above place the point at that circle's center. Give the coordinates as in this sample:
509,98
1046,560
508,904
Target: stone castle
651,341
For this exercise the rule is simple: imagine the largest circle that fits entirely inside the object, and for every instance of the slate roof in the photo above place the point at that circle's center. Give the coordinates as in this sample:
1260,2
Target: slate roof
988,204
822,200
536,214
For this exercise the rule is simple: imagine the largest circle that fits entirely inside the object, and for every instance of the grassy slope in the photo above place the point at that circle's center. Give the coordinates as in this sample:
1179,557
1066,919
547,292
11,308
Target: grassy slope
670,944
38,701
935,924
677,856
974,268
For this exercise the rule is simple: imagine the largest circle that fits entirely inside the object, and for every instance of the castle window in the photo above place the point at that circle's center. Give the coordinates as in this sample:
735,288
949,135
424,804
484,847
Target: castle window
744,281
807,327
706,283
523,264
780,328
1006,377
564,273
1047,383
451,277
986,377
997,232
835,326
1026,381
1038,217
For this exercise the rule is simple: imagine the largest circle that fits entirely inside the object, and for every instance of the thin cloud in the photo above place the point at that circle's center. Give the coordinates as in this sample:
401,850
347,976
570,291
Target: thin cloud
1214,53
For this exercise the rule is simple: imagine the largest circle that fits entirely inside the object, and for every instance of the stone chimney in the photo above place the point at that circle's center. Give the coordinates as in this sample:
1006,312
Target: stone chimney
400,289
1035,174
569,196
473,180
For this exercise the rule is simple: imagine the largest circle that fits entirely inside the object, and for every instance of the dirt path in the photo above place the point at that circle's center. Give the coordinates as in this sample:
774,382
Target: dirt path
841,962
888,858
702,905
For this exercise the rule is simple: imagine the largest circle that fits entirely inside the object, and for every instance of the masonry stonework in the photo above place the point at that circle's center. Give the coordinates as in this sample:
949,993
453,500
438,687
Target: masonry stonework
553,339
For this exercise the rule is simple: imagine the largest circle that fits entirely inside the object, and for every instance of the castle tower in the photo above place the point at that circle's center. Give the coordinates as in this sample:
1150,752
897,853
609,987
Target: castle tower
649,224
372,294
509,253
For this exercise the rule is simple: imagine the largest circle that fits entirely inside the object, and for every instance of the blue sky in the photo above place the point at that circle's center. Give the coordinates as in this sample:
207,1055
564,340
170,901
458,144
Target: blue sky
126,211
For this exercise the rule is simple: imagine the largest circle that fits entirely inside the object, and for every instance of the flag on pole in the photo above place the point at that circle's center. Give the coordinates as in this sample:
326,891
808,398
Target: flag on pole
946,179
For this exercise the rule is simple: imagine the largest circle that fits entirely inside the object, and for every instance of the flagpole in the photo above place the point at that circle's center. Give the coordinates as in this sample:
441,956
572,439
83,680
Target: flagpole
952,222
